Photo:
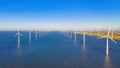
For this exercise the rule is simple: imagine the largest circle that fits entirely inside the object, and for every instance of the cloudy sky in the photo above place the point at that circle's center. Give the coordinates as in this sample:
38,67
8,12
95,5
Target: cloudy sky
59,14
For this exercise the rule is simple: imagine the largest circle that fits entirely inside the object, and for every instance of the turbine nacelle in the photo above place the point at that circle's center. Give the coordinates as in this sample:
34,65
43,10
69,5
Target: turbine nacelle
18,33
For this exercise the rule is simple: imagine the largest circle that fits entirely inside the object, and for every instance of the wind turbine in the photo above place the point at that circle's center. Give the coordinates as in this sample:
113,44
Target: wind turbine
98,33
42,33
29,36
107,42
39,34
18,34
70,34
75,36
84,35
36,35
67,34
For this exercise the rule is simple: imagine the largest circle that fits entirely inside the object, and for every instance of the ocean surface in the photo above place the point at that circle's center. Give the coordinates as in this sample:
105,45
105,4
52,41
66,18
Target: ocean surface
56,50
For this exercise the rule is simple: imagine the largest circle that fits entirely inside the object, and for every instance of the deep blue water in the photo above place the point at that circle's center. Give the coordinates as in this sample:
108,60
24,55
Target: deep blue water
56,50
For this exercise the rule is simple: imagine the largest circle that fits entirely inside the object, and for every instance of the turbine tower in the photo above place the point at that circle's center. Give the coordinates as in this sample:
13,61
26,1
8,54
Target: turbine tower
29,36
107,42
36,35
84,34
18,34
98,34
42,33
39,34
84,38
70,34
75,36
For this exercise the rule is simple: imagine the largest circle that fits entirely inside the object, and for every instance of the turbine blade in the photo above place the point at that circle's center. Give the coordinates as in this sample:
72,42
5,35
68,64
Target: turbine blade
21,34
113,40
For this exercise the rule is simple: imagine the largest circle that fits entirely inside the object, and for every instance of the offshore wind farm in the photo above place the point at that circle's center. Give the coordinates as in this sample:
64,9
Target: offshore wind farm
59,34
57,49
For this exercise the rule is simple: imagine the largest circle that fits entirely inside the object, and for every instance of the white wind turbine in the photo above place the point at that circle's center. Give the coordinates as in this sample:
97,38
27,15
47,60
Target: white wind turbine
98,33
18,34
75,36
84,34
84,37
30,36
70,34
67,33
42,33
39,34
36,35
107,42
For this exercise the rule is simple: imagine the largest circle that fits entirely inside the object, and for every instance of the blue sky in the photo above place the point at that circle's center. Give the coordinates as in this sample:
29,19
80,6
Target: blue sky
59,14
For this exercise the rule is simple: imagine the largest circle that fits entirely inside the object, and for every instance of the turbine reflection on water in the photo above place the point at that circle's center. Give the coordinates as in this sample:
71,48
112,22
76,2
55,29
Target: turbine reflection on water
107,62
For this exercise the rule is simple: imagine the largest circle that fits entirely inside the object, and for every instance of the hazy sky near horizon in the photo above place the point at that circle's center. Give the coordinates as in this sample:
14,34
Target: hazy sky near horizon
59,14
